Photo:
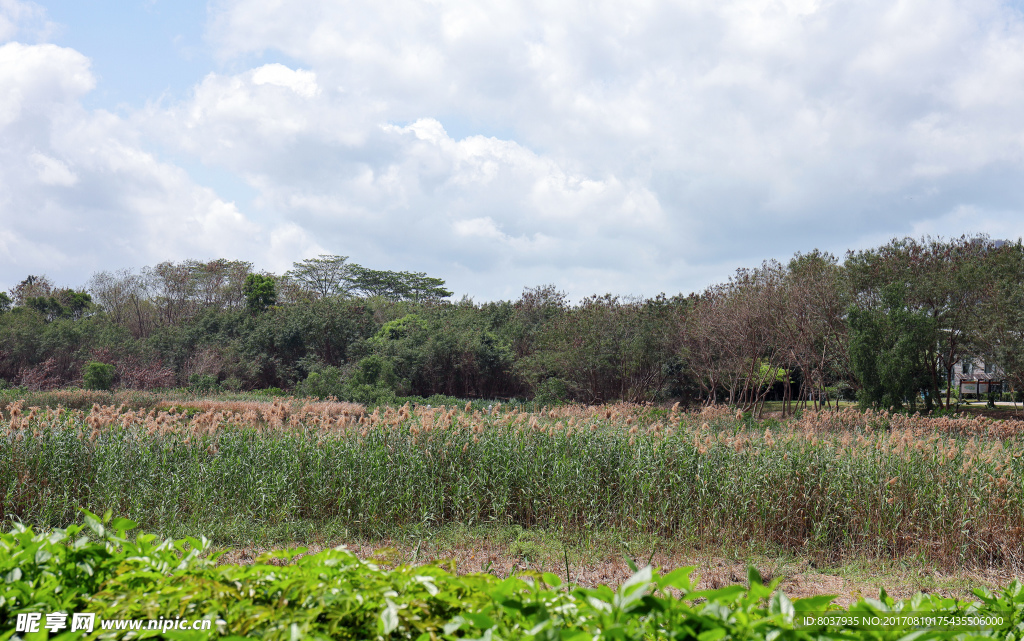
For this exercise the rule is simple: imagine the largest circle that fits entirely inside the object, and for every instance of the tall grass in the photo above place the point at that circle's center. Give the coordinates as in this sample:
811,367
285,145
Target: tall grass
834,484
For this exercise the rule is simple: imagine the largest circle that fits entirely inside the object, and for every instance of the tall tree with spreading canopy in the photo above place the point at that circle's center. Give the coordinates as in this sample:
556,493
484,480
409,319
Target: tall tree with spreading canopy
325,276
813,329
31,287
1002,337
948,281
734,335
415,286
889,350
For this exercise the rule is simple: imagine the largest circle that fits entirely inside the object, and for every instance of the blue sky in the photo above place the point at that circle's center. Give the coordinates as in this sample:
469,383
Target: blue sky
140,51
601,146
143,52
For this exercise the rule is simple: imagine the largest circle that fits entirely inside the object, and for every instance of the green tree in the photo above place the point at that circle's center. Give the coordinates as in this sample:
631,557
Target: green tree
813,331
1003,316
889,346
467,352
260,292
607,349
372,382
325,276
415,286
461,350
949,281
61,303
31,287
98,376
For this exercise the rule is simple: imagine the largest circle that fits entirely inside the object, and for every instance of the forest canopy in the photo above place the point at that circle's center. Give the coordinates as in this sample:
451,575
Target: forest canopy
887,324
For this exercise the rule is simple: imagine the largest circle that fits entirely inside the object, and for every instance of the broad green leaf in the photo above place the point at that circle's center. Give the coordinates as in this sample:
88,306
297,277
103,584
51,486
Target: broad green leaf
711,635
123,525
481,621
678,578
753,576
389,618
814,603
428,583
93,522
780,604
640,580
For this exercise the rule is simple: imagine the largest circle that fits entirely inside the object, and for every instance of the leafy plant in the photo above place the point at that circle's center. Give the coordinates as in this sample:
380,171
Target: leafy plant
98,376
888,346
322,382
260,292
203,383
334,595
551,391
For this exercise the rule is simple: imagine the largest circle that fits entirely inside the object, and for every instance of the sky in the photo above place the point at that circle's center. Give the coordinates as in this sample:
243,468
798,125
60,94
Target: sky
601,146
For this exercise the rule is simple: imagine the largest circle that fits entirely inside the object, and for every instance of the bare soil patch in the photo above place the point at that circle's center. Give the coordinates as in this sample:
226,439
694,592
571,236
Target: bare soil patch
798,578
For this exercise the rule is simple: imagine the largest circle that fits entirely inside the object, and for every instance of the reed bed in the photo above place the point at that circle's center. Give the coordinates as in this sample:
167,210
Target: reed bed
294,409
833,484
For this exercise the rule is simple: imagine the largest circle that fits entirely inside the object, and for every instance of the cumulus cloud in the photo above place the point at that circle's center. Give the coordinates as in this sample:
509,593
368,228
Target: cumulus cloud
409,197
301,82
970,220
745,127
40,81
604,146
77,191
24,20
52,171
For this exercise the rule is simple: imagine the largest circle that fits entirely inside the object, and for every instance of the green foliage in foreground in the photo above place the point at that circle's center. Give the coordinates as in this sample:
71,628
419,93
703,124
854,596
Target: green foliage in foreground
334,595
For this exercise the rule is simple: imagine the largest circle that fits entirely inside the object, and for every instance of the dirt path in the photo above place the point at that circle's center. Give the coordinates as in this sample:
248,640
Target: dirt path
798,578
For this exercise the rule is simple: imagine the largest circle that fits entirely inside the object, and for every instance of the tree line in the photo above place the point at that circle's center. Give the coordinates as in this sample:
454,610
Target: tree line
886,324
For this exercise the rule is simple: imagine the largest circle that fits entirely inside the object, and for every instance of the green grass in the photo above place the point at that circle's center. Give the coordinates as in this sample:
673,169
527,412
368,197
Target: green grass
831,486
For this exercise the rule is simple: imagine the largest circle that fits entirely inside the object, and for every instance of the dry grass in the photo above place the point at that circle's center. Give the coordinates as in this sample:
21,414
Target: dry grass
603,563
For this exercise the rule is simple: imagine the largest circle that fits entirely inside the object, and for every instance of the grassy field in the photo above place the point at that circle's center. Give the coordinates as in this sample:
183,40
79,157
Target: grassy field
830,487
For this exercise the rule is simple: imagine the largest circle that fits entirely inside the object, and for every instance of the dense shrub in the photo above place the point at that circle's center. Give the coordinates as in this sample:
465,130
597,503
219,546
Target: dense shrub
321,383
98,376
203,383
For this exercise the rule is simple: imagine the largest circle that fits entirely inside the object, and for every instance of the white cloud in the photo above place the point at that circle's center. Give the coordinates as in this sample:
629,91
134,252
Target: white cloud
77,191
478,228
23,19
52,171
410,197
966,219
633,147
675,134
40,80
288,243
301,82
